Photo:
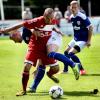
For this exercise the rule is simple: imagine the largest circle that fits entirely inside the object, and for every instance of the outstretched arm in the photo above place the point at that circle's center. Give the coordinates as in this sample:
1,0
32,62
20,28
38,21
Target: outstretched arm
6,30
58,31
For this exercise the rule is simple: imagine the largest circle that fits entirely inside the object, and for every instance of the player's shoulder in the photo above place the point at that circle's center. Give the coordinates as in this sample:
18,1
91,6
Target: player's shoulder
81,15
37,19
40,18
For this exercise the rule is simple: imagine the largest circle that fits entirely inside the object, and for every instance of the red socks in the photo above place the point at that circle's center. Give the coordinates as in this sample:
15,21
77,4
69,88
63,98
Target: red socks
25,78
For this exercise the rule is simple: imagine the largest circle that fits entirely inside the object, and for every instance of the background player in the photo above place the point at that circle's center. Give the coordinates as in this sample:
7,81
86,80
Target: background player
82,35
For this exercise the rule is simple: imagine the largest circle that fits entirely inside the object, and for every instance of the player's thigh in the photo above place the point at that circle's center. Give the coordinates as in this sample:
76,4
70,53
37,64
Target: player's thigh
71,43
52,48
54,42
31,57
79,45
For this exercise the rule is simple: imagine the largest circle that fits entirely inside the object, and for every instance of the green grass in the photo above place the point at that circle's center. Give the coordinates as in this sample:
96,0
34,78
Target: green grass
11,66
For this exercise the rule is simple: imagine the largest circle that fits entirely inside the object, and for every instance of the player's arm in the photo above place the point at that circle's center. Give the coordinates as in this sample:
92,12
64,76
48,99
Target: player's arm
12,28
36,32
58,31
90,31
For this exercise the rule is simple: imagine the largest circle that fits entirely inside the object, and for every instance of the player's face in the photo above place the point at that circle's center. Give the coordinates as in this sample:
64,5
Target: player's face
74,8
48,15
49,18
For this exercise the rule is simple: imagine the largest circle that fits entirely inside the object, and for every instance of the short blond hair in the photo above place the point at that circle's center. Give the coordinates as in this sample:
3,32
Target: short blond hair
48,11
74,2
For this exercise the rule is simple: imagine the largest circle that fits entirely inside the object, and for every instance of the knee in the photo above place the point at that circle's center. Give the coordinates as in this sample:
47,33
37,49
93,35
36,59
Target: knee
66,52
77,48
55,68
27,67
71,54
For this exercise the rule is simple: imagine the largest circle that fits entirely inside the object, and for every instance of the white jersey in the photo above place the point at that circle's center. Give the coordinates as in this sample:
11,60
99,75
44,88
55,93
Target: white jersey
55,39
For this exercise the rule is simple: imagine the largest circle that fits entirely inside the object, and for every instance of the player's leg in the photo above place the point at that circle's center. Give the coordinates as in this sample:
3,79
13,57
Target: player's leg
25,78
30,60
38,77
76,49
53,46
70,45
62,58
65,70
54,69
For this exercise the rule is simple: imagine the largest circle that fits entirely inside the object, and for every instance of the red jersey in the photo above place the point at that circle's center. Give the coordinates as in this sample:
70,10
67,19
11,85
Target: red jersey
37,46
38,22
44,35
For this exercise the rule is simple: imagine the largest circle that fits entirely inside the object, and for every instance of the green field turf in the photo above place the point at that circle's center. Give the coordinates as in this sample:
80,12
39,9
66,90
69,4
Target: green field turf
11,66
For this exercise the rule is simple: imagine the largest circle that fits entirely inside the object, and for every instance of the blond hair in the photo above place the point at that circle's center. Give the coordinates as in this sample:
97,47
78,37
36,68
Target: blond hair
74,2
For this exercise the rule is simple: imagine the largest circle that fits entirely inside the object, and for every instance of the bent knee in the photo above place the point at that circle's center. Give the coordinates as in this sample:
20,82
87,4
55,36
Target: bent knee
27,66
55,68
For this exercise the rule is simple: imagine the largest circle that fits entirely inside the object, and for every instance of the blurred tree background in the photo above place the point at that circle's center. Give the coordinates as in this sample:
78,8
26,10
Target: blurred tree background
12,8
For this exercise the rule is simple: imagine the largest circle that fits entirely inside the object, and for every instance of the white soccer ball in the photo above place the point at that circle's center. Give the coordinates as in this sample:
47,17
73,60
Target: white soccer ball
55,92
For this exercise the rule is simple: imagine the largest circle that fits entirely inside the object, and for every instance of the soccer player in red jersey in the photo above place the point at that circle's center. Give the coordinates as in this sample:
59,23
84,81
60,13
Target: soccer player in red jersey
36,45
35,24
54,67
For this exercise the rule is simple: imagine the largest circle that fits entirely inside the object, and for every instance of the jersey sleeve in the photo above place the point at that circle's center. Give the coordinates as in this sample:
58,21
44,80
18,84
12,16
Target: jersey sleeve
87,22
85,19
31,24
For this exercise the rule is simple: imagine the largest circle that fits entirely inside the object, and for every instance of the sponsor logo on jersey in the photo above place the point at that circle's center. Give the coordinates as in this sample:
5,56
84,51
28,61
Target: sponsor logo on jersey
78,22
76,28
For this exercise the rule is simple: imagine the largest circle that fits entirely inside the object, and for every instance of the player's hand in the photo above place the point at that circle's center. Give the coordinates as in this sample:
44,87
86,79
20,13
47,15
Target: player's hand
88,44
1,31
58,31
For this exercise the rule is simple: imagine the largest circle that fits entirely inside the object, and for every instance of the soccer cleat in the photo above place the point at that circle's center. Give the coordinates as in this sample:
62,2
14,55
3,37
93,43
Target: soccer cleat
82,72
56,80
76,73
21,93
29,90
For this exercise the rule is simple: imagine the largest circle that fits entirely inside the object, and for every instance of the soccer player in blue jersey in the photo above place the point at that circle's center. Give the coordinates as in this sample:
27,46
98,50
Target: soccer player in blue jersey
82,35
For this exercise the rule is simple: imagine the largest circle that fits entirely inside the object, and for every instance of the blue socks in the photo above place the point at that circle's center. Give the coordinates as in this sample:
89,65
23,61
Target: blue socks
61,58
74,58
66,66
38,77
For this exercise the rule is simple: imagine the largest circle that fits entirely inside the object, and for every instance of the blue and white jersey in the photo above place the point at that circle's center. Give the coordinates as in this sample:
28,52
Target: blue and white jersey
80,25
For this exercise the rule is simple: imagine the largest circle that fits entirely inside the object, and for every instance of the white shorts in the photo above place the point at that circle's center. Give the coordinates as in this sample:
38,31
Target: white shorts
81,44
55,39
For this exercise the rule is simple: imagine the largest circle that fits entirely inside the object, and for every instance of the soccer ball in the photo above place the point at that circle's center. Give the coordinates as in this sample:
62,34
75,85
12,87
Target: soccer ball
55,92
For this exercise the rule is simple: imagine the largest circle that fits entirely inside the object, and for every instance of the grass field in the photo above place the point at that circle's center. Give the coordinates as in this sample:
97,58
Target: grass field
11,65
